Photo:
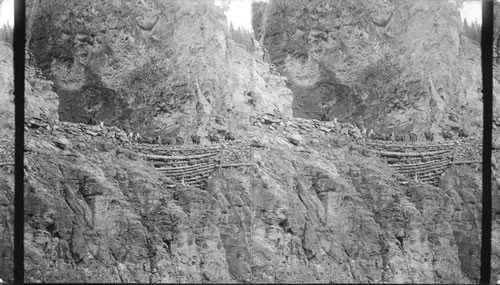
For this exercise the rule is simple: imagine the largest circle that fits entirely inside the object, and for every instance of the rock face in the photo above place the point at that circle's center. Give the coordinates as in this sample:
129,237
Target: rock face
307,213
323,210
6,158
6,89
401,66
151,65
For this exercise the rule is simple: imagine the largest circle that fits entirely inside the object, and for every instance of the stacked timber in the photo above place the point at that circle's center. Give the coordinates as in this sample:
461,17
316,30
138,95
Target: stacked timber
187,165
408,147
418,162
187,169
194,165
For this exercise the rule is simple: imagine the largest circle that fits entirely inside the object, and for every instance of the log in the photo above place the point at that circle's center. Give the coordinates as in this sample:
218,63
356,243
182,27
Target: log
198,179
422,170
190,173
184,163
432,174
236,165
174,153
186,167
410,154
417,145
468,162
428,163
170,158
429,179
167,148
7,163
401,149
392,161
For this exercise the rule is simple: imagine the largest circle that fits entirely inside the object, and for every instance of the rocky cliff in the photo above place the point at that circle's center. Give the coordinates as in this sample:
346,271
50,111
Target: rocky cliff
316,206
319,208
387,65
151,65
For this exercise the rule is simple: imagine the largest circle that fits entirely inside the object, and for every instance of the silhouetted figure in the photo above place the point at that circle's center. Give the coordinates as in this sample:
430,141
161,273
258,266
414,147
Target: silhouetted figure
229,136
462,133
196,139
429,136
169,141
213,138
413,137
179,140
447,135
92,120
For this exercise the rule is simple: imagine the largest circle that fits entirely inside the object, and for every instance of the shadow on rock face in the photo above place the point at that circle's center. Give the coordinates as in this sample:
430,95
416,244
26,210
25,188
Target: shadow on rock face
90,102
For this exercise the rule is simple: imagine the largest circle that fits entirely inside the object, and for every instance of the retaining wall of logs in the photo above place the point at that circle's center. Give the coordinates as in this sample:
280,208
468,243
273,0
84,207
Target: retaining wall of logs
192,165
419,162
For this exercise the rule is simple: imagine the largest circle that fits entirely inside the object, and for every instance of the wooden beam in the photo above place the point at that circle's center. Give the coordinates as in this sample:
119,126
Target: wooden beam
170,158
409,145
237,164
468,162
410,154
189,167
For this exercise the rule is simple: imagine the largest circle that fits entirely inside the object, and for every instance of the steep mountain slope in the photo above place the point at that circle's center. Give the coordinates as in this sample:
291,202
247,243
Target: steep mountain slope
322,210
149,65
315,208
388,65
6,156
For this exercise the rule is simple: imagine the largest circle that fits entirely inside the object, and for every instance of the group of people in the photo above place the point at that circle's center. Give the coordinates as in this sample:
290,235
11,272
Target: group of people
411,137
177,140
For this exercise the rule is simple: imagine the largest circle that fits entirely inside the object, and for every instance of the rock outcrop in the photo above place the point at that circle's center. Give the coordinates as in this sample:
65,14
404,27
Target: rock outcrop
389,65
304,213
152,65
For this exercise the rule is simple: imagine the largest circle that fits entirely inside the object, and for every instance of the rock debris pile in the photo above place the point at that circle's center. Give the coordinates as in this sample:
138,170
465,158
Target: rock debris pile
238,151
293,126
75,130
469,149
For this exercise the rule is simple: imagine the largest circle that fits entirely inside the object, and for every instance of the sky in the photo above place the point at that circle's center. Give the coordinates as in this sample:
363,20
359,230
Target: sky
240,16
7,13
239,13
471,10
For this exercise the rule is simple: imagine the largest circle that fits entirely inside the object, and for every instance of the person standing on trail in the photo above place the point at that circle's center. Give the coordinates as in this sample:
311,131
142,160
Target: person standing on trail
195,138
